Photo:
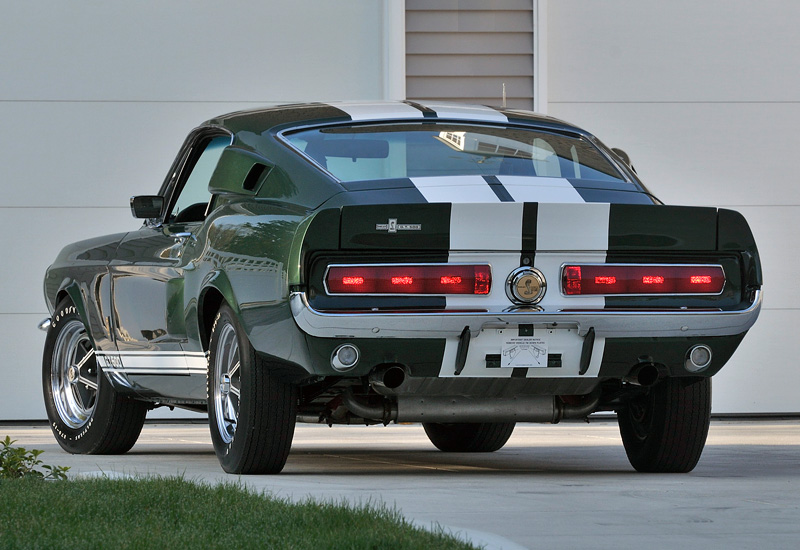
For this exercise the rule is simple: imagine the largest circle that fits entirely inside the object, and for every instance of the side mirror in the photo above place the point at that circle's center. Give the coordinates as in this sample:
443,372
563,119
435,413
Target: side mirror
147,206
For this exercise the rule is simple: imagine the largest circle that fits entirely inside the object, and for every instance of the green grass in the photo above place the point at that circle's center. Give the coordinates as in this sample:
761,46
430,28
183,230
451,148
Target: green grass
171,512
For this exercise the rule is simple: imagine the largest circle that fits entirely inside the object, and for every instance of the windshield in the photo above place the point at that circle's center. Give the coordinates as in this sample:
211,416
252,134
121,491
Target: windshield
387,151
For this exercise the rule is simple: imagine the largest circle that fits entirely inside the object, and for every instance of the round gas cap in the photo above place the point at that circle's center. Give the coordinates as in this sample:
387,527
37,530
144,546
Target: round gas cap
525,285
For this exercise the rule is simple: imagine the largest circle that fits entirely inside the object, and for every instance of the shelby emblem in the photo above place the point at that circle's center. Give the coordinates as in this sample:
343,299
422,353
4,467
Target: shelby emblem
525,285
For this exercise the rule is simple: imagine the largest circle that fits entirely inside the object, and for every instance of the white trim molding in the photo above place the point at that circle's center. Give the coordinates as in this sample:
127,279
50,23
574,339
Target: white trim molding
540,56
394,49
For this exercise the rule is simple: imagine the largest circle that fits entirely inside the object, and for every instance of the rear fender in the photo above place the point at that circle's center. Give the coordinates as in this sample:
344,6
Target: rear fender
216,289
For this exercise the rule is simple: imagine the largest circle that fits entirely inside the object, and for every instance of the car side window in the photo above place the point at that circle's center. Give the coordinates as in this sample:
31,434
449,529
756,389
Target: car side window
194,196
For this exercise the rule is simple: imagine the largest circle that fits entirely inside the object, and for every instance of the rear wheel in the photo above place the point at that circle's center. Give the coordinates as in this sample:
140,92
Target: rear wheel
477,437
86,414
665,430
251,413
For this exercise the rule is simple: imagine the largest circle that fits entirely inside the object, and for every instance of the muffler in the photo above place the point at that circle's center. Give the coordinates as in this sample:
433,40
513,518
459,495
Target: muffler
459,408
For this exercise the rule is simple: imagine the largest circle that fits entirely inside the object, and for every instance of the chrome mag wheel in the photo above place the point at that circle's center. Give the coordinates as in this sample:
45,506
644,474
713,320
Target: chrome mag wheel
74,375
227,383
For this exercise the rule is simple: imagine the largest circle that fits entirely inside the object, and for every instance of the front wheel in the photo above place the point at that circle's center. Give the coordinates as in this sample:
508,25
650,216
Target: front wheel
251,412
665,430
86,414
474,437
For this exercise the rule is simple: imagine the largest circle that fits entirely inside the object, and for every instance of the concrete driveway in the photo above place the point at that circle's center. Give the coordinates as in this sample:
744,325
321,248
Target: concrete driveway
565,486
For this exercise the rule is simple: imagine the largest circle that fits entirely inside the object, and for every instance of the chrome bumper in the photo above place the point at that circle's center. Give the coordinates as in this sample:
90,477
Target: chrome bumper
606,323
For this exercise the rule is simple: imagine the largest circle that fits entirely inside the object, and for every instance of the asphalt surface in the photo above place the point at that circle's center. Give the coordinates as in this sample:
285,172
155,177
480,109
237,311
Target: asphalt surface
565,486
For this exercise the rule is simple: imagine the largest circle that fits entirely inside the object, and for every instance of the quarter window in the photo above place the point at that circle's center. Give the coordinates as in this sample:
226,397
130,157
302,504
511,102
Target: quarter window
194,196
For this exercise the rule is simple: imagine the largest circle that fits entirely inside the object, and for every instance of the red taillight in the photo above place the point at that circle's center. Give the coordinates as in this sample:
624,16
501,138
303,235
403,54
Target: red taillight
642,279
409,279
605,280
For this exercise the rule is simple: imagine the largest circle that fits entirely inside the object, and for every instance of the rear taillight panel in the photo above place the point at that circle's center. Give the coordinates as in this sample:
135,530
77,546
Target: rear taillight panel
642,279
408,279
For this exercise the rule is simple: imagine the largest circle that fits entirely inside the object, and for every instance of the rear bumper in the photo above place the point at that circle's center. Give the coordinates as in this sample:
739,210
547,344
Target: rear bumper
606,323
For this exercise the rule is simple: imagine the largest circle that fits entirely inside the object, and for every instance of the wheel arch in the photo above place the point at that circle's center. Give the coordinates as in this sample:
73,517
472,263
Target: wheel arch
73,292
216,291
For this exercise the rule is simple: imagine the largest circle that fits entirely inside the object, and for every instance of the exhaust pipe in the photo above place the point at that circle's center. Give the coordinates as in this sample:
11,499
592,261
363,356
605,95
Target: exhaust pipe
387,377
386,413
459,408
581,410
644,374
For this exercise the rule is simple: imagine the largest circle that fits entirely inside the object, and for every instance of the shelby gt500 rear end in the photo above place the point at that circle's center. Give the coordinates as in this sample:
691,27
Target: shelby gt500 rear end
483,315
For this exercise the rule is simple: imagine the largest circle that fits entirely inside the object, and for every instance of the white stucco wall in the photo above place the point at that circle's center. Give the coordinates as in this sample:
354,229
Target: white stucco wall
705,97
96,98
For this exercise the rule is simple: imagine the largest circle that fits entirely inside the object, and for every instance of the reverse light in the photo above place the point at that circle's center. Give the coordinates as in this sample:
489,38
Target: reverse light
633,279
421,279
698,358
345,357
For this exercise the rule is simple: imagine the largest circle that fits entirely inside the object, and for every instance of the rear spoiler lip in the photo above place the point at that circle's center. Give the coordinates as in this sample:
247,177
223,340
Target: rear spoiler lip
606,323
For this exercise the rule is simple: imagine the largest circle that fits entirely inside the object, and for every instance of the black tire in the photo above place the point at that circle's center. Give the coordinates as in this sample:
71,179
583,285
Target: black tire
251,412
666,429
483,437
86,414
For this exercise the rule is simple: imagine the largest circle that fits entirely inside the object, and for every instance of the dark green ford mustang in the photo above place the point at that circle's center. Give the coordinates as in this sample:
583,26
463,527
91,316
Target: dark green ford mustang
459,266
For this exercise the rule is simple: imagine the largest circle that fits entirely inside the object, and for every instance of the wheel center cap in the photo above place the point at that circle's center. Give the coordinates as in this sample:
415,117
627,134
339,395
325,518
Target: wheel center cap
72,374
225,384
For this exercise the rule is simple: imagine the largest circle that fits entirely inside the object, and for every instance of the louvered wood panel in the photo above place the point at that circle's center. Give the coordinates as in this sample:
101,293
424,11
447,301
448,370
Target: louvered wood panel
464,50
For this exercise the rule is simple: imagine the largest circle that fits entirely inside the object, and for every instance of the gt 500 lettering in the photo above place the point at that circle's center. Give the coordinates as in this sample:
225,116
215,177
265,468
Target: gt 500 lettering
394,227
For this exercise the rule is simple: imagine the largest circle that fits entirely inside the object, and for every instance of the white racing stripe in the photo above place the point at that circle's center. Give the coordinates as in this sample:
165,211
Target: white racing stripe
536,189
492,226
597,357
378,110
153,362
455,189
575,233
578,227
466,112
568,232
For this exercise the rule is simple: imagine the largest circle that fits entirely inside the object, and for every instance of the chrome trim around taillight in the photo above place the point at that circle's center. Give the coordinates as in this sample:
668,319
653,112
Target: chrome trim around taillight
406,264
590,264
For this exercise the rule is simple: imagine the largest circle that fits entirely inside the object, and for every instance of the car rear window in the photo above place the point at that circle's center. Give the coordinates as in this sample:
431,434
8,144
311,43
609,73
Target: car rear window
388,151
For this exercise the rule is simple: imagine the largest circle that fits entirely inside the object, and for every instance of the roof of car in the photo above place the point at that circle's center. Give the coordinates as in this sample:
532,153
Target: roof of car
302,114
